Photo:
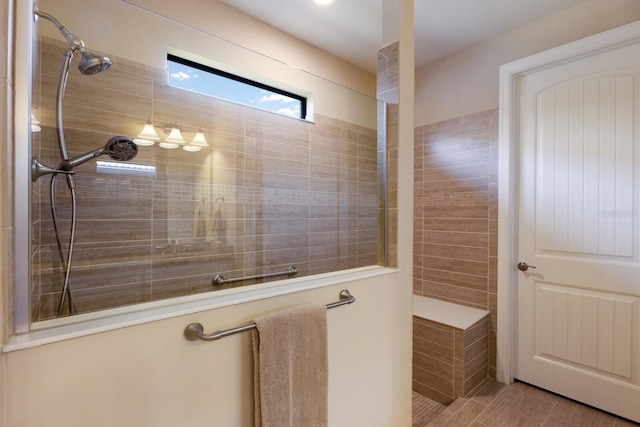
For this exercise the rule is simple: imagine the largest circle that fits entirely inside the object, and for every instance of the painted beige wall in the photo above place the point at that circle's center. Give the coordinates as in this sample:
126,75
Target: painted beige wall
149,375
253,34
467,82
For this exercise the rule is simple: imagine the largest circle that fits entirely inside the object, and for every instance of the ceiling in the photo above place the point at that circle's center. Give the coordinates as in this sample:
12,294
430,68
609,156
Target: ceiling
350,29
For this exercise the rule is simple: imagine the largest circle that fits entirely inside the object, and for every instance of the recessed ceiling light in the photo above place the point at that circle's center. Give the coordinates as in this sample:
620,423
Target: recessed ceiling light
323,1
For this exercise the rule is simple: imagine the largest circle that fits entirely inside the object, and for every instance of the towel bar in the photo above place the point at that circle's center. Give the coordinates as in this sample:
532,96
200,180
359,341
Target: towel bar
195,331
219,279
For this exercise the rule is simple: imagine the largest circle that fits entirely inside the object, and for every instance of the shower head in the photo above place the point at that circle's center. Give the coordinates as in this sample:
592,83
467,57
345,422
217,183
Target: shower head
119,148
90,62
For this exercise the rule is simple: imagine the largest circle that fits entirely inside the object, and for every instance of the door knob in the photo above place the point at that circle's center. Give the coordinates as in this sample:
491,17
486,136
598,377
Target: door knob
523,266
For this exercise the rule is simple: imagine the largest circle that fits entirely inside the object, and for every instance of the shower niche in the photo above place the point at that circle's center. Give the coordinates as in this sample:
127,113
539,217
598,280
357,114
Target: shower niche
266,193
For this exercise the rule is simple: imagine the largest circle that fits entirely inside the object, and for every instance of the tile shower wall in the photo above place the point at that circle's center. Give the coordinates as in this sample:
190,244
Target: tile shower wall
269,192
455,216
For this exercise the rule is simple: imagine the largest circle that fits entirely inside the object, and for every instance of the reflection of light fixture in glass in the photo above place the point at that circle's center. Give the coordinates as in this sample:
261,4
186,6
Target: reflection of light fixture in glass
169,145
199,140
323,2
147,135
173,140
175,136
125,168
35,124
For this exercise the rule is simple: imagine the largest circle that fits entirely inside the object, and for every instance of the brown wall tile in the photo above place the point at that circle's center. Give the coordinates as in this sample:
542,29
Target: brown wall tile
434,332
456,294
476,331
474,349
455,206
436,382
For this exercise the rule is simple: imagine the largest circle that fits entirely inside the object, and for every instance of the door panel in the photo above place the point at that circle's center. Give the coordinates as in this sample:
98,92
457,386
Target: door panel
578,317
585,192
590,330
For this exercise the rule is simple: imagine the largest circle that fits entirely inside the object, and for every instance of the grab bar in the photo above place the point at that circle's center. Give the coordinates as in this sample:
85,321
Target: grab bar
219,279
195,331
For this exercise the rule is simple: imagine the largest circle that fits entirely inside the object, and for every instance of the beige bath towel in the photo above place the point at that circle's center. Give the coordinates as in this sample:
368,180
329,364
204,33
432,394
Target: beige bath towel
290,368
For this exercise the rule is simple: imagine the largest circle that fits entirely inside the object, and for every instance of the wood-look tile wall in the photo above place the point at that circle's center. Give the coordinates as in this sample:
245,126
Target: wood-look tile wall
455,214
267,193
448,362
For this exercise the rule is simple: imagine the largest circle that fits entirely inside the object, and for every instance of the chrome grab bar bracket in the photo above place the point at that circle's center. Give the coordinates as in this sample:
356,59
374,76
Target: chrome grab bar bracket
194,331
345,298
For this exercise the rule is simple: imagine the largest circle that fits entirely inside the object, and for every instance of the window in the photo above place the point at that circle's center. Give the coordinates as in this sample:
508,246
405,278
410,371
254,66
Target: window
206,80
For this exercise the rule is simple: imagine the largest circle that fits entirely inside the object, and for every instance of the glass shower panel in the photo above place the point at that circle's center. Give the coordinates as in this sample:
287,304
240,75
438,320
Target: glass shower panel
265,193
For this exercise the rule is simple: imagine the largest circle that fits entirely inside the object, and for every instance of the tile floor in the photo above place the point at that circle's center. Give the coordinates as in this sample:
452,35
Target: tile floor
517,404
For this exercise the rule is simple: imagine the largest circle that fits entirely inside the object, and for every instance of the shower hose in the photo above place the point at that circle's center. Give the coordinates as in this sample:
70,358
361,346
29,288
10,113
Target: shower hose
65,261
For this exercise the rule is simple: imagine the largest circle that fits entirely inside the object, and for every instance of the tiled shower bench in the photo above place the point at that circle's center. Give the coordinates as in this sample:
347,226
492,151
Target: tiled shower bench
450,348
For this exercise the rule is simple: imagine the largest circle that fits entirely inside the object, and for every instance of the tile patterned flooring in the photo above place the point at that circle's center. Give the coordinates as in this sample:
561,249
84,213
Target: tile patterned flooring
517,404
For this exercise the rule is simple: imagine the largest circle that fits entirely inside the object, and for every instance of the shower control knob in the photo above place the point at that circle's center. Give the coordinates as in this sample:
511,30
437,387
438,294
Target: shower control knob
523,266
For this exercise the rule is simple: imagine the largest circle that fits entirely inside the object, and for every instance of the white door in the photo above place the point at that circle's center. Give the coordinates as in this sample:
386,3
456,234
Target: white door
578,311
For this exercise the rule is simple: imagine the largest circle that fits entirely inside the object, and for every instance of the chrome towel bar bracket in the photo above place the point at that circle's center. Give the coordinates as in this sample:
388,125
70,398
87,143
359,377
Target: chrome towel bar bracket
195,331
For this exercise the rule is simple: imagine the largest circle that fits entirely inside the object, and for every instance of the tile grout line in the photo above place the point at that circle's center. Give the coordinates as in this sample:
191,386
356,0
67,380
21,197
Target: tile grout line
549,414
476,419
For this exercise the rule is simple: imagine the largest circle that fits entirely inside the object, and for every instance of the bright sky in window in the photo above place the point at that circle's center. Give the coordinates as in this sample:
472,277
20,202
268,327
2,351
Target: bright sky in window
207,83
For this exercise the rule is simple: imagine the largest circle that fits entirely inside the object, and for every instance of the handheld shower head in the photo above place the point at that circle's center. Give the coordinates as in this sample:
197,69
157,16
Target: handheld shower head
119,148
90,62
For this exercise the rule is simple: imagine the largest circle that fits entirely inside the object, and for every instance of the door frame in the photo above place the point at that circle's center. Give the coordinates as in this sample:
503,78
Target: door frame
508,174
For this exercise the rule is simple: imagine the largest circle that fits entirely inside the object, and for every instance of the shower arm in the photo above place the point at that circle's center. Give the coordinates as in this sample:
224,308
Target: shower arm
75,43
89,64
